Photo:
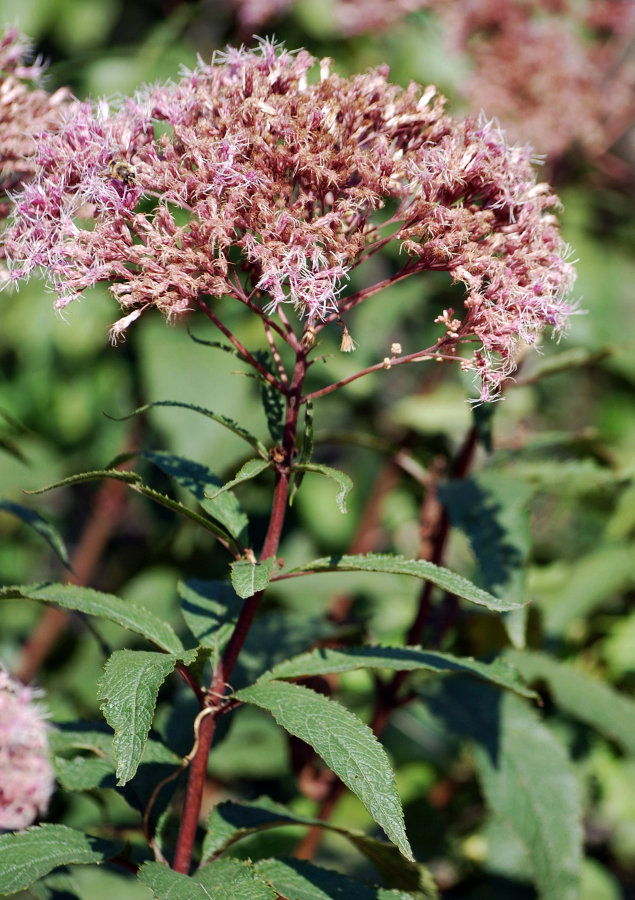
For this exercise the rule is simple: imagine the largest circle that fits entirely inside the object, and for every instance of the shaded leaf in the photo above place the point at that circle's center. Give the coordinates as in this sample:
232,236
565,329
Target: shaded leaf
344,482
248,577
28,855
580,695
325,660
418,568
126,613
229,822
533,787
201,482
133,479
346,744
211,609
129,690
297,879
35,521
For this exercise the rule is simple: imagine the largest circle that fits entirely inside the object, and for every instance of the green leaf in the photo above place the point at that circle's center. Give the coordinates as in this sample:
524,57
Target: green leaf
200,482
133,479
250,469
527,779
580,695
28,855
272,401
325,660
346,744
306,450
129,690
491,509
297,879
229,822
532,786
216,417
166,884
418,568
248,577
231,879
345,483
126,613
211,609
40,525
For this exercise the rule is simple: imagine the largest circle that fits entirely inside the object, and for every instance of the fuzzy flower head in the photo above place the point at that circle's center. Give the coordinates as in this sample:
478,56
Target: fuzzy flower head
26,774
25,109
257,178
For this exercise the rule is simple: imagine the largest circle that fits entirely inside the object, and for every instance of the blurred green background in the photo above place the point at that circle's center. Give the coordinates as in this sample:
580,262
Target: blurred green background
563,460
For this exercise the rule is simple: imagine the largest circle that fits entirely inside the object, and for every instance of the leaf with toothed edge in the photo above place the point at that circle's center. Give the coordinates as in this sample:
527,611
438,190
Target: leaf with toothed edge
126,613
417,568
26,856
344,742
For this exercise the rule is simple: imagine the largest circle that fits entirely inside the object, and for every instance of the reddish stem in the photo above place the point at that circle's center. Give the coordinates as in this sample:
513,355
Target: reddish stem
220,678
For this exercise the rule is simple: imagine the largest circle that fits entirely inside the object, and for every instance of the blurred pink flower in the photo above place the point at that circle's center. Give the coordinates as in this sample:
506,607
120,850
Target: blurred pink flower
264,186
26,774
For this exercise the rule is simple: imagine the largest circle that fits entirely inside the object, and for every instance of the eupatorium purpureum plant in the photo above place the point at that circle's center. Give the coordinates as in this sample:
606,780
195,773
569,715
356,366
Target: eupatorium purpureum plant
264,180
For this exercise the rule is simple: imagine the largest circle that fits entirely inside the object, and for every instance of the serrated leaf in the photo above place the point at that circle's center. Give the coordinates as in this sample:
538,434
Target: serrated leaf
325,660
580,695
344,482
532,785
35,521
229,822
527,779
248,577
201,482
133,479
232,879
166,884
417,568
28,855
297,879
216,417
129,690
126,613
211,609
346,744
250,469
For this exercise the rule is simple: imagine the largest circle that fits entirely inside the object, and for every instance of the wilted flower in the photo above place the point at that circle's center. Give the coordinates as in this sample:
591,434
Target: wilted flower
262,186
26,774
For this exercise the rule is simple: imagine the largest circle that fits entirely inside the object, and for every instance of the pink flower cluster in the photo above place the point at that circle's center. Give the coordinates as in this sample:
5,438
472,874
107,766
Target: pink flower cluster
248,178
26,774
556,72
25,110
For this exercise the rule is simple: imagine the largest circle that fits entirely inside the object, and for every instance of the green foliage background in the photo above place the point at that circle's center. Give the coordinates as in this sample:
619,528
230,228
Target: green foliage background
559,485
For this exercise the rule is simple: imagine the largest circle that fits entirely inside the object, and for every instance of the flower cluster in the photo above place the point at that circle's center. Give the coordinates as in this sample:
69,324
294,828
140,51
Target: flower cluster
555,72
25,111
26,774
247,178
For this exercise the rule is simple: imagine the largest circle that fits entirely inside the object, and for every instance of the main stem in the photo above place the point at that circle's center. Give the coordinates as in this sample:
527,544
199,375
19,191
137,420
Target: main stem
222,674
